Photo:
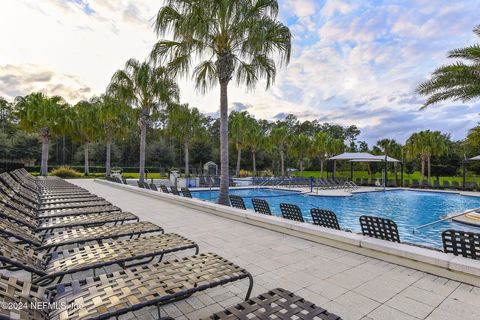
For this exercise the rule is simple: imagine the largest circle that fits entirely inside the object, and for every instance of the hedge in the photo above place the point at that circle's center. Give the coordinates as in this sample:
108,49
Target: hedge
94,169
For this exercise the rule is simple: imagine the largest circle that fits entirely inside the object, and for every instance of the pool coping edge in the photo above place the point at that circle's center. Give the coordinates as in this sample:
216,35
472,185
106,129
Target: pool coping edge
422,259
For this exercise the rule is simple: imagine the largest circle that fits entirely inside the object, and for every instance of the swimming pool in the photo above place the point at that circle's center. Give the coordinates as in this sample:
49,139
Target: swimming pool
409,209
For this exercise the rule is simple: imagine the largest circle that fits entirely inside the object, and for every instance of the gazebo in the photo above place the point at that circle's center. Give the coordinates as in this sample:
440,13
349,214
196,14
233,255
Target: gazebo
366,157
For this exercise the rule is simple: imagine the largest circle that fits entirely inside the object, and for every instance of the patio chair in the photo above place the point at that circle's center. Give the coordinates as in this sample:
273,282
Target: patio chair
237,202
46,268
16,190
48,224
456,185
140,184
474,186
153,187
324,218
379,228
124,181
74,235
261,206
406,183
174,190
291,212
114,294
415,184
461,243
436,184
446,184
186,192
164,188
391,183
275,304
426,184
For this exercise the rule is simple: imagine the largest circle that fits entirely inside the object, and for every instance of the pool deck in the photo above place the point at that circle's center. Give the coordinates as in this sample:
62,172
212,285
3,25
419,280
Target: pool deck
349,284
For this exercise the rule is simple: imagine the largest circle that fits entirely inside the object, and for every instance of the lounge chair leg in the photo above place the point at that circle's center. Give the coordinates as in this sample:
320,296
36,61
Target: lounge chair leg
160,316
250,287
196,249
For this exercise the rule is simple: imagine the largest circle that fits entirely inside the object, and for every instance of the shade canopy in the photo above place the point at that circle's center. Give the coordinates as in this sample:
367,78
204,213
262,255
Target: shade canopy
362,157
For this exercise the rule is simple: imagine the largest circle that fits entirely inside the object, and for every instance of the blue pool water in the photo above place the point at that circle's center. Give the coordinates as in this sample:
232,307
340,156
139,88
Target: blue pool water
409,209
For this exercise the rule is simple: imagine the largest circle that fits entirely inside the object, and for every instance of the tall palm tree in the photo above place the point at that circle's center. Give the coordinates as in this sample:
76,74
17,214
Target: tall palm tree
86,128
185,125
238,127
147,88
320,147
391,148
459,81
255,141
335,146
232,39
300,146
41,114
438,146
116,119
279,138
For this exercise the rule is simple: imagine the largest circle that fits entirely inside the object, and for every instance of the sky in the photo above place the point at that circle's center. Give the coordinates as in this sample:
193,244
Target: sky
353,62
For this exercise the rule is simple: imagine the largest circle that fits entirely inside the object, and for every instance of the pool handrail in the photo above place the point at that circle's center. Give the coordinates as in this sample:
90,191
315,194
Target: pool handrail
444,219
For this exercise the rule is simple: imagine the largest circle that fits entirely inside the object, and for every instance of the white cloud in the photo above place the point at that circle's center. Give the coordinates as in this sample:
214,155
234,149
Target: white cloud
302,8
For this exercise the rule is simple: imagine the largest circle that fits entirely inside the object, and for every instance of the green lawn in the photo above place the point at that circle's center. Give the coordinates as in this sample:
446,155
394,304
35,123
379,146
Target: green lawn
364,175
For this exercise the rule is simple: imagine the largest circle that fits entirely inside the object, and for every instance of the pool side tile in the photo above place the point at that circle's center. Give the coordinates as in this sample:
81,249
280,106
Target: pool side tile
466,265
330,234
428,256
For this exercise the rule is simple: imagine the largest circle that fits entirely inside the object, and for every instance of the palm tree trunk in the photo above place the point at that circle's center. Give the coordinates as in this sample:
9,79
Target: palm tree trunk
85,156
44,165
428,168
301,166
334,168
187,169
239,157
254,164
143,138
224,180
321,168
282,164
63,149
108,168
423,169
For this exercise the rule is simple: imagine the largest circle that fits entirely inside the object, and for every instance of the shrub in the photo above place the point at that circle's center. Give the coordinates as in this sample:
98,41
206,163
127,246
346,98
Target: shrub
266,173
65,172
244,173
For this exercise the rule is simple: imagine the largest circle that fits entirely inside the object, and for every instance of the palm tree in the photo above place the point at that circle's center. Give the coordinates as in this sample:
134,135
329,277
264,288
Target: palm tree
185,125
116,118
335,146
417,145
438,146
232,39
41,114
320,147
426,144
300,146
238,127
459,81
86,127
147,88
255,141
279,139
392,148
